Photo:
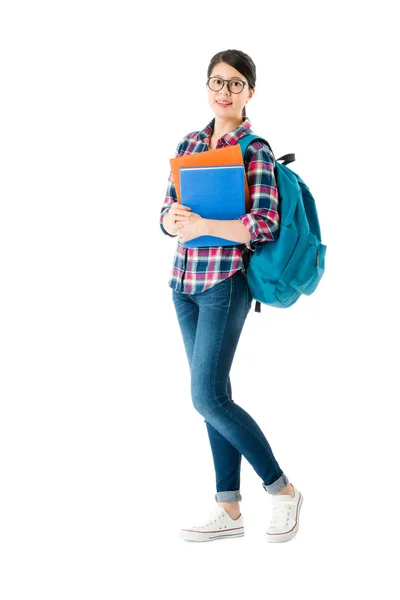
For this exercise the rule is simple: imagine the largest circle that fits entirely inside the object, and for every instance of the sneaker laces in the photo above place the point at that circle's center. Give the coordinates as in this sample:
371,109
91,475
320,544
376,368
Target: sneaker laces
213,515
280,514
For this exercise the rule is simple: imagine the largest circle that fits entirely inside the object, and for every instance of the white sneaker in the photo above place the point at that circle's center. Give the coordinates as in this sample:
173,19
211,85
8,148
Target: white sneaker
217,526
285,516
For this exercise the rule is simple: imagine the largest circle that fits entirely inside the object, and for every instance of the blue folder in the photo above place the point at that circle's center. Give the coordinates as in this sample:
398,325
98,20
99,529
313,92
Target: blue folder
213,193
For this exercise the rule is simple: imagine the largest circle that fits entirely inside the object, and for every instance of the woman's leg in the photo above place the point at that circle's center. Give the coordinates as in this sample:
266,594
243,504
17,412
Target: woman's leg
222,313
227,461
226,456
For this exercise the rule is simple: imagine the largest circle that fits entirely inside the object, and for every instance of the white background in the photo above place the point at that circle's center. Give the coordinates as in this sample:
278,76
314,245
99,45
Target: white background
103,457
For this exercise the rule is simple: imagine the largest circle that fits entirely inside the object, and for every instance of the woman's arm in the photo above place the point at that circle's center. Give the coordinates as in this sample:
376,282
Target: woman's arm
230,230
168,225
262,222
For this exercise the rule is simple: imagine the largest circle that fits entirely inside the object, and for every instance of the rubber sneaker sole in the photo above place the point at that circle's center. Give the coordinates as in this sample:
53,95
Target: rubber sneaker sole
191,535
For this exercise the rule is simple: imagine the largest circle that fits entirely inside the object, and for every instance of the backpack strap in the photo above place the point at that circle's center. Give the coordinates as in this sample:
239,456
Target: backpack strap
287,158
244,143
246,140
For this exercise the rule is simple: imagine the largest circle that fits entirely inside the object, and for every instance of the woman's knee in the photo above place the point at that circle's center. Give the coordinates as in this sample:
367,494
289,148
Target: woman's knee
205,397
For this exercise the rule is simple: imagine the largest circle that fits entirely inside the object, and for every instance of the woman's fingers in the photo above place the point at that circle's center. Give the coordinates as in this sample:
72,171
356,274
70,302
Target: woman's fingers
181,209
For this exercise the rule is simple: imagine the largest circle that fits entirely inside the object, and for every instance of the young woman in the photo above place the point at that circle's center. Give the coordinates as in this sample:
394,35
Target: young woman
212,300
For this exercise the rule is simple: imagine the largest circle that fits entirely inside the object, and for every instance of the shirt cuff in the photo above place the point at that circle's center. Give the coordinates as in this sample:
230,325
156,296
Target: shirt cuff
164,212
251,225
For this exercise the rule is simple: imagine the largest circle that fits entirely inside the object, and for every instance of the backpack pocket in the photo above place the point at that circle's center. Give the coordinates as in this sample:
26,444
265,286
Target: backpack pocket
310,268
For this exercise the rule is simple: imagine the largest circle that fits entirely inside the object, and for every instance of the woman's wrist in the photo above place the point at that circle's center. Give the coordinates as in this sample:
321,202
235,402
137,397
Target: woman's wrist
169,225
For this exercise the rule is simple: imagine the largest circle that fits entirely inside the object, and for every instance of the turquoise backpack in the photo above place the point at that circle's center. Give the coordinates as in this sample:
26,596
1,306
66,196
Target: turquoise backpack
279,272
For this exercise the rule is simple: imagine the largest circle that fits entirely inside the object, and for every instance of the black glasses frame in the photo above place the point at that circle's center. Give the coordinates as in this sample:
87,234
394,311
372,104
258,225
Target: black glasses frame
228,81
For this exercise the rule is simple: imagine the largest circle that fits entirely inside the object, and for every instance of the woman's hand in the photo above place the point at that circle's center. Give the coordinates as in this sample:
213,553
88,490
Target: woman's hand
190,227
176,213
184,223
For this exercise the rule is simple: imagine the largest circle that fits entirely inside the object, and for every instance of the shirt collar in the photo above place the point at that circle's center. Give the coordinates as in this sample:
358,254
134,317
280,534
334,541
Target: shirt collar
231,137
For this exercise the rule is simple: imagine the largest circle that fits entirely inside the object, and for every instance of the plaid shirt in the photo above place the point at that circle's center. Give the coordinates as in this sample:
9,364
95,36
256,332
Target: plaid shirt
198,269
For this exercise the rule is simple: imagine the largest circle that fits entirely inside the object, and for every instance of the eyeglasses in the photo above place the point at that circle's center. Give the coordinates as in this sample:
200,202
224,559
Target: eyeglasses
234,85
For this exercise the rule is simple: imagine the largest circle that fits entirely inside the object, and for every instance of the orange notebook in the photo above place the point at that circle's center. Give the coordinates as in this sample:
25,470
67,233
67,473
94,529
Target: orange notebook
230,155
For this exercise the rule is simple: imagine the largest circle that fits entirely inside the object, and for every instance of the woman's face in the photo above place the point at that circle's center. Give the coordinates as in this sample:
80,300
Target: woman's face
233,103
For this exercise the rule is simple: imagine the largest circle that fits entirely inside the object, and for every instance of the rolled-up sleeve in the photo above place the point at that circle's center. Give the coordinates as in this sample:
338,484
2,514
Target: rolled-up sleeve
263,219
170,196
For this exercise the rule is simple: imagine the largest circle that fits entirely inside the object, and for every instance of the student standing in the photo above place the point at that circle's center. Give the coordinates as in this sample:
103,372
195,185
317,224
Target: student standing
212,300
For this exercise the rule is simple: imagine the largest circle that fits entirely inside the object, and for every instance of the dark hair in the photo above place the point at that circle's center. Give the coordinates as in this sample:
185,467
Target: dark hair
239,61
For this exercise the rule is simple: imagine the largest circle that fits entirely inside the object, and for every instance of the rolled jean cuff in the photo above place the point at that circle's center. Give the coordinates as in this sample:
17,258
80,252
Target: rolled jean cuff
277,486
231,496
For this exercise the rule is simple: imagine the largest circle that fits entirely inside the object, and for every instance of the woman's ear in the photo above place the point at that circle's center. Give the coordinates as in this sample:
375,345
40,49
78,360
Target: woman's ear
251,94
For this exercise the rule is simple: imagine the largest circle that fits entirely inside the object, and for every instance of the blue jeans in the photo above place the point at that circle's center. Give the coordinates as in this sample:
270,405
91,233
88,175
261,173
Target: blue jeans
211,323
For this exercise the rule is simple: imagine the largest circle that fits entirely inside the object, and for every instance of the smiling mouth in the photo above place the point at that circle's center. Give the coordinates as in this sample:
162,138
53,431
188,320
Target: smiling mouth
224,103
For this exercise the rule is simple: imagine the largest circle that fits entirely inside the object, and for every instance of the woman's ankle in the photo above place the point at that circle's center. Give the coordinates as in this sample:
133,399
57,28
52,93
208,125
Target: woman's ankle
232,508
287,490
